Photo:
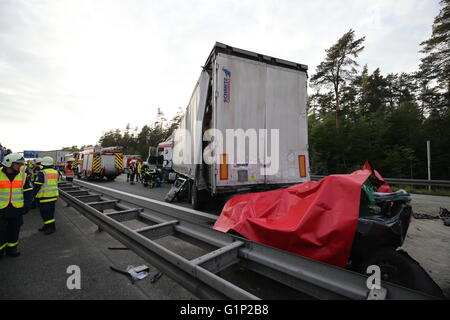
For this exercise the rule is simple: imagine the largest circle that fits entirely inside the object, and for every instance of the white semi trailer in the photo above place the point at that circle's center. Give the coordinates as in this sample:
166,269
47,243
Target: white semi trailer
245,128
57,155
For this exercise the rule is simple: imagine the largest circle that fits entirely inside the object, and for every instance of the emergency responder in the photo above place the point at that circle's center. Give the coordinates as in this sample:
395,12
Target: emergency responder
36,168
29,167
132,168
46,193
16,193
139,172
34,173
70,173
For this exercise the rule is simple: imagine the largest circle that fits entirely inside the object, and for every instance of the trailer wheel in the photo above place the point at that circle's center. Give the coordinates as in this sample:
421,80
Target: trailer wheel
195,197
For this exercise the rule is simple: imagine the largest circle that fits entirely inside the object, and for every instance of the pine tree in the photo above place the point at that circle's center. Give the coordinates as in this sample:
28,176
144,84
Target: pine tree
436,64
339,66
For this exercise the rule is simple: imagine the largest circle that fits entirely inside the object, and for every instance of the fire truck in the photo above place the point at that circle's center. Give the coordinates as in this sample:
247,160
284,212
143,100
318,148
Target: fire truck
97,162
128,157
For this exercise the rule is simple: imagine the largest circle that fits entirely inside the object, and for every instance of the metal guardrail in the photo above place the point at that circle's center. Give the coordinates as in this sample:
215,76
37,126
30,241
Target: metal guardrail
413,182
201,275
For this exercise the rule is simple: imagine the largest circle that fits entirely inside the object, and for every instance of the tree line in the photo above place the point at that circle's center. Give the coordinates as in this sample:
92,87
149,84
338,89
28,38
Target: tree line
355,115
137,141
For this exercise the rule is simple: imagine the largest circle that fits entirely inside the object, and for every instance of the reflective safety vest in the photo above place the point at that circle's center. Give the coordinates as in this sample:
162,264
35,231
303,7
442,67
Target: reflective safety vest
11,192
69,173
139,168
49,188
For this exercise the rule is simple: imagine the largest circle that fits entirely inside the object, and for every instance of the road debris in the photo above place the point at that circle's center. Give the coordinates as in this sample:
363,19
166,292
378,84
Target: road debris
134,273
156,277
444,214
417,215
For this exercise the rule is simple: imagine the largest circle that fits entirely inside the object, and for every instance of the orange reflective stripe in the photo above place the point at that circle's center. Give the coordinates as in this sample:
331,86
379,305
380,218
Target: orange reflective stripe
224,167
17,184
302,166
52,176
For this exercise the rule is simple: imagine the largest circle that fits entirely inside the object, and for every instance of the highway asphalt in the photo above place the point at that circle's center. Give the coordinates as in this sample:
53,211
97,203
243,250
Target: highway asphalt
41,271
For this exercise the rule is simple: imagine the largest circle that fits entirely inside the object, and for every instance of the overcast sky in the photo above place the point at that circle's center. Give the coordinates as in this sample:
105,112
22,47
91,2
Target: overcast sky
71,70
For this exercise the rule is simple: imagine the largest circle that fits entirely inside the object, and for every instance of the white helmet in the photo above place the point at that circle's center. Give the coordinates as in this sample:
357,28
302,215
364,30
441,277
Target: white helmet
11,158
70,159
47,161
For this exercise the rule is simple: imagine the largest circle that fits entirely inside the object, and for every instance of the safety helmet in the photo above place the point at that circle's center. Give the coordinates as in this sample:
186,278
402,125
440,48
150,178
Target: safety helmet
11,158
37,160
47,161
70,159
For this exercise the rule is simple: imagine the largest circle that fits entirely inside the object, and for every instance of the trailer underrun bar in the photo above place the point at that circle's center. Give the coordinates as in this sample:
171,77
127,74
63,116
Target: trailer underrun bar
201,275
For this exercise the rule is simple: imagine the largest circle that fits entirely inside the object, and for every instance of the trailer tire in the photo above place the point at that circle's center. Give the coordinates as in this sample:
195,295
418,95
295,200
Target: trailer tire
195,197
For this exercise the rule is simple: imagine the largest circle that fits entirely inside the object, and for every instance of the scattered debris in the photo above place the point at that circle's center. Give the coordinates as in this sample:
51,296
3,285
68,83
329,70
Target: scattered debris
444,214
122,272
134,273
156,277
139,272
424,216
446,222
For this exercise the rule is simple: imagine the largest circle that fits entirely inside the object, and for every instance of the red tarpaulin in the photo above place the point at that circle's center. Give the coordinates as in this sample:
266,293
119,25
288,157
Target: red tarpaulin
315,219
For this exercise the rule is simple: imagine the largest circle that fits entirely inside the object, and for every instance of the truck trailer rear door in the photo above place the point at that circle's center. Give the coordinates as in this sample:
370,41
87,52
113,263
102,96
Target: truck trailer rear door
286,112
239,112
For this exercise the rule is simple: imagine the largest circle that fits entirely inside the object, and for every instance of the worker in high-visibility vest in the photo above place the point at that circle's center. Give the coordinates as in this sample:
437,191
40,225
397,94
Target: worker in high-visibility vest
46,193
16,193
69,172
139,172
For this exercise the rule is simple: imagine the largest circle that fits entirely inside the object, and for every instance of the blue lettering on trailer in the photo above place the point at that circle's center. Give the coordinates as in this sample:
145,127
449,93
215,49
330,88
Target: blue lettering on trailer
226,86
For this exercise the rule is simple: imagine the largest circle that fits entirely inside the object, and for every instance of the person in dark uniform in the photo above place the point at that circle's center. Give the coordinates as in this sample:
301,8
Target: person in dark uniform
133,170
16,193
46,193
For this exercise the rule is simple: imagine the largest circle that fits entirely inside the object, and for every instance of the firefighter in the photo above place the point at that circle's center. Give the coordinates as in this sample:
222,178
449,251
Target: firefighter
34,173
36,168
29,168
145,177
139,172
15,200
132,170
46,193
69,172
